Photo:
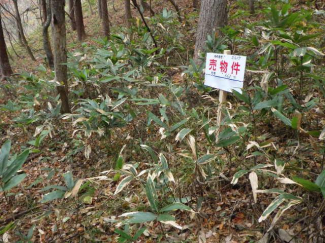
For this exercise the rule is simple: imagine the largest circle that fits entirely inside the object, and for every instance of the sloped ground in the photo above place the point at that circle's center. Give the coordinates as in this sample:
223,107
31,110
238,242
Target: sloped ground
228,212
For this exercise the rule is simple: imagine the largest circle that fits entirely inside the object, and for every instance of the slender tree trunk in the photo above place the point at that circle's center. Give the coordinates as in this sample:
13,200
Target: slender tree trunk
21,31
177,9
44,11
79,20
5,68
105,20
100,12
251,6
60,52
72,16
213,16
91,8
145,23
195,4
46,40
128,14
9,38
146,6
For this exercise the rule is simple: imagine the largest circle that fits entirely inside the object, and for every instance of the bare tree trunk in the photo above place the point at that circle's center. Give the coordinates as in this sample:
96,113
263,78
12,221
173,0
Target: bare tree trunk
44,11
21,31
91,8
213,15
146,6
46,40
5,68
9,35
100,12
177,9
60,52
105,20
128,14
195,4
251,6
79,20
72,16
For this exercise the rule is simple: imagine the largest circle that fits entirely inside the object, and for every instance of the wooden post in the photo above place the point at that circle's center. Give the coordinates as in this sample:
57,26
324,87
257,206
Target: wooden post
222,101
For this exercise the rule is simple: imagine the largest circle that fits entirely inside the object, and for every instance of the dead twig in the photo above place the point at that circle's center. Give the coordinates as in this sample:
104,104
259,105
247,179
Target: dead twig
18,215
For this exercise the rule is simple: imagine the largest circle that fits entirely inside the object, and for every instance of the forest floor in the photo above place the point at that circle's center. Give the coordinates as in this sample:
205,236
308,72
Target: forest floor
228,212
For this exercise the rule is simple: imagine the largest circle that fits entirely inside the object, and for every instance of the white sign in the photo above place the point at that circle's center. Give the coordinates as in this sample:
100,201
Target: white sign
225,72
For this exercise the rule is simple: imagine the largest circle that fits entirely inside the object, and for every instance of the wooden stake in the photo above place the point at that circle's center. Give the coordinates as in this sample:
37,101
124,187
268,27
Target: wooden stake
222,101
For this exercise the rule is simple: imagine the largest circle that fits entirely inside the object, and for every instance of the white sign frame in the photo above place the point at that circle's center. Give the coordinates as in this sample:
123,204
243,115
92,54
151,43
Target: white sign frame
225,72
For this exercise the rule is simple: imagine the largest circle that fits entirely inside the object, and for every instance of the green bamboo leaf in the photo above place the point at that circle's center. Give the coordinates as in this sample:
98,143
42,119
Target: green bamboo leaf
68,178
277,90
139,233
151,194
275,15
272,190
265,48
7,227
228,141
52,196
123,234
281,211
165,217
266,104
320,181
294,122
300,52
289,20
177,125
123,184
152,117
279,165
139,217
273,205
15,165
284,44
163,100
206,158
283,118
310,186
118,103
175,206
261,166
143,101
14,181
289,196
119,163
237,175
182,134
61,188
243,97
163,161
150,151
4,155
30,232
163,111
255,40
